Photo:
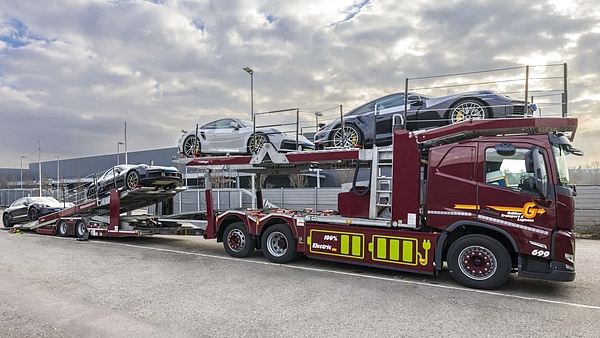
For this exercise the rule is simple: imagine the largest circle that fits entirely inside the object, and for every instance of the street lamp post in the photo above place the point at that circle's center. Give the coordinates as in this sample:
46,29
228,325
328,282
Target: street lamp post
118,144
251,72
57,177
317,114
22,157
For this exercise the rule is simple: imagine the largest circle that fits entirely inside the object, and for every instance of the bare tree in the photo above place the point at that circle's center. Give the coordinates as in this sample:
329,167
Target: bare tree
262,182
343,176
298,180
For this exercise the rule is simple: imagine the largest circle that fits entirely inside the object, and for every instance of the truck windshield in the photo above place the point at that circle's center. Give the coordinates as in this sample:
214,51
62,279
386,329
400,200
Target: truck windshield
560,152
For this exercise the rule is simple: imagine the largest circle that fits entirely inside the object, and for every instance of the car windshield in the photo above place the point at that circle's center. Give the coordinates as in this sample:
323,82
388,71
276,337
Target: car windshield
246,123
45,200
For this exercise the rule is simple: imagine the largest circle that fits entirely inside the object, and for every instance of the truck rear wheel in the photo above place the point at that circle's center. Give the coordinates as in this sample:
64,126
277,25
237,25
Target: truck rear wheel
237,241
278,244
479,261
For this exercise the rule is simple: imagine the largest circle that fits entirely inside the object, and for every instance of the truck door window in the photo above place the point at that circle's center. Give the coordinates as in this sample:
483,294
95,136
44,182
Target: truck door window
507,171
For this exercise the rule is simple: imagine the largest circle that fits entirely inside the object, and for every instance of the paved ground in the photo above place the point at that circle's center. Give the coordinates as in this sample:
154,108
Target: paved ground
167,286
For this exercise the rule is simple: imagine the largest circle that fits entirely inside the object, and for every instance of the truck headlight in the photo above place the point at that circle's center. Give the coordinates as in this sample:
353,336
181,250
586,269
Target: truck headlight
570,257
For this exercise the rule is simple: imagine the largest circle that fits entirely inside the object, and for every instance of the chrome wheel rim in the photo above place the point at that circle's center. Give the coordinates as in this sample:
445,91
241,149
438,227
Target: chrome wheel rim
277,244
477,262
256,143
236,240
62,228
189,146
132,180
350,138
80,229
467,111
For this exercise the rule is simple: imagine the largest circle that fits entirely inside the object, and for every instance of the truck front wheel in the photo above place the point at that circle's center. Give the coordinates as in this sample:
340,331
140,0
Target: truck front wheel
278,244
237,241
479,261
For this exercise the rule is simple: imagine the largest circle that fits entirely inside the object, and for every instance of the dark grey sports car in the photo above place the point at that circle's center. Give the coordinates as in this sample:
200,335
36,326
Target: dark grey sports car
129,176
30,209
422,112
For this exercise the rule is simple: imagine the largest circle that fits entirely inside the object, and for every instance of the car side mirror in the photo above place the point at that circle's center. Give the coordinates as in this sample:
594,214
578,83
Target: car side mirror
235,125
25,203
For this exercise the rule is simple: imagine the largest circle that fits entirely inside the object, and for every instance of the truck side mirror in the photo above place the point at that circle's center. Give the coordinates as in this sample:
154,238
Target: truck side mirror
534,163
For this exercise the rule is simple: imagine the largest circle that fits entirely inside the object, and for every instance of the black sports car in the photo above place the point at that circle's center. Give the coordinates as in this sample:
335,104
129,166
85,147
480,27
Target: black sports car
422,112
30,209
129,176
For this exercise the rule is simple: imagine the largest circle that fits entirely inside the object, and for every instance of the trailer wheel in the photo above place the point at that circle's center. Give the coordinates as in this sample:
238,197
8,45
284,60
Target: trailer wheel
132,179
61,228
278,244
237,241
80,229
33,214
479,261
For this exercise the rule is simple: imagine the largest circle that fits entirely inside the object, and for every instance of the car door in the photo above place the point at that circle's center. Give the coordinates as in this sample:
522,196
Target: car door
106,181
387,107
19,209
225,137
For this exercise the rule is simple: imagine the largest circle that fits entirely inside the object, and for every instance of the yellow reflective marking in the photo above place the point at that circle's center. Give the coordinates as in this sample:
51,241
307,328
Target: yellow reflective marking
407,251
350,245
345,244
381,248
394,249
357,245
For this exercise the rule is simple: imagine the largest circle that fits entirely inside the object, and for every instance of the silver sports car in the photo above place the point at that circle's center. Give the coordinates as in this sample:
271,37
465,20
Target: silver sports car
236,136
421,112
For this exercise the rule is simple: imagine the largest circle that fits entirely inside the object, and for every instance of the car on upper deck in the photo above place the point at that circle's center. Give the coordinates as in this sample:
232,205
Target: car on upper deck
237,136
422,112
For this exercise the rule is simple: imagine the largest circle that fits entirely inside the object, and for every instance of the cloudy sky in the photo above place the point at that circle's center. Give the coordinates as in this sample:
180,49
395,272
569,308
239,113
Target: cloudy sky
73,72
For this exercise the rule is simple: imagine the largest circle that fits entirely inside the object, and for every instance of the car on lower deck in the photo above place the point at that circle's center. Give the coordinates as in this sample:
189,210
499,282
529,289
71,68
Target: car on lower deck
29,209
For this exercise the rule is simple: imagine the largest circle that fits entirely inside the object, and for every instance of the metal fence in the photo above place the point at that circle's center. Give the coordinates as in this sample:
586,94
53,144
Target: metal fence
587,201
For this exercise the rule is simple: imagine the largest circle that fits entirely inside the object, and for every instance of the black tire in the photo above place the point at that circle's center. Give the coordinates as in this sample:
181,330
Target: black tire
237,241
278,244
80,228
256,142
132,179
91,193
479,261
61,228
352,137
6,221
33,214
189,146
466,110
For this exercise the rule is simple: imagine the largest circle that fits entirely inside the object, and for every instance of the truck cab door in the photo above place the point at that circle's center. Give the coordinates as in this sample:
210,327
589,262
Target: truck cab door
510,198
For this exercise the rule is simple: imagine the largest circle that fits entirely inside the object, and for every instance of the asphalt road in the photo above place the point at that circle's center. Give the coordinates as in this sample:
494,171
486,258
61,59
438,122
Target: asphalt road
167,286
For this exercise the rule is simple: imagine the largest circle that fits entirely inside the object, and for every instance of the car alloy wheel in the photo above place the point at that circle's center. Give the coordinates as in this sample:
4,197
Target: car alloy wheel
467,110
351,137
256,142
191,146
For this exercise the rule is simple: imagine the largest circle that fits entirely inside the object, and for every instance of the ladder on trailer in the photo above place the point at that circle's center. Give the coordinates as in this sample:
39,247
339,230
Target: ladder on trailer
381,183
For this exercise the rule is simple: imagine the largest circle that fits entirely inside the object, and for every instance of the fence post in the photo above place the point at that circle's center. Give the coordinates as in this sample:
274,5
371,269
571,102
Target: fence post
282,201
316,198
